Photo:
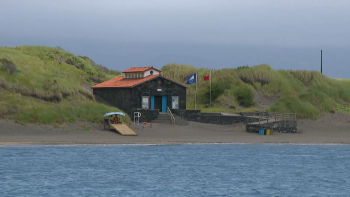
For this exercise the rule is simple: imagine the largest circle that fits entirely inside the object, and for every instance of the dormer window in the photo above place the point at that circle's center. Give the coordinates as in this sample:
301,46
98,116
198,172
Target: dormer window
134,75
140,72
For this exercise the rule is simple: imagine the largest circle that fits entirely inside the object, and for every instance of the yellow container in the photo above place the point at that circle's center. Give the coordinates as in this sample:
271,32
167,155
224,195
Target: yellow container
268,132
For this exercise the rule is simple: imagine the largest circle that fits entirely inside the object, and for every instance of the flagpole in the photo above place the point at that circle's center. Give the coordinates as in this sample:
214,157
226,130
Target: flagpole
210,87
195,97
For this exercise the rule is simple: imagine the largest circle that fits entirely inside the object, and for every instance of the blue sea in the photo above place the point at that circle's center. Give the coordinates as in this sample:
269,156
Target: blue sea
175,170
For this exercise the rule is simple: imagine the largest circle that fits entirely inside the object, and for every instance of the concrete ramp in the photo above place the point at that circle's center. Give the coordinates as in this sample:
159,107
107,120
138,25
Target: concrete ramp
123,129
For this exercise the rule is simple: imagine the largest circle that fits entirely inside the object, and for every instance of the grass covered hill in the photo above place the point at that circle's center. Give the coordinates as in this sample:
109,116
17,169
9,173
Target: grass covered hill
307,93
49,85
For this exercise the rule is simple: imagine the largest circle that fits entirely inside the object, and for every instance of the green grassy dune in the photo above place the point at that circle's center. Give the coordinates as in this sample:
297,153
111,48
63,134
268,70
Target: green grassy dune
49,86
307,93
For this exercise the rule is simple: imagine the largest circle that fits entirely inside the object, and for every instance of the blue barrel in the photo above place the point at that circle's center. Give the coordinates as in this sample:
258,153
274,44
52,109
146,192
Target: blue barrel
107,121
261,132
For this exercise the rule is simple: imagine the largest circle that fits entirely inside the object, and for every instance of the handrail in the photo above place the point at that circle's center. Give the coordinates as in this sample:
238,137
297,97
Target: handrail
277,116
171,115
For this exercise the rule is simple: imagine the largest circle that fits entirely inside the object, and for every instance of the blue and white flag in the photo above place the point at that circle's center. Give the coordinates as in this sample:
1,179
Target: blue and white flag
192,79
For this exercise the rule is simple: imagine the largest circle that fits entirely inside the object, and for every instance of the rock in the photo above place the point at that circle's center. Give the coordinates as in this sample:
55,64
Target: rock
332,111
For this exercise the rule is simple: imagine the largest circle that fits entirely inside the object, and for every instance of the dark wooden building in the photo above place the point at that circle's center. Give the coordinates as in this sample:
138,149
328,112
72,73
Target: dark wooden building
142,88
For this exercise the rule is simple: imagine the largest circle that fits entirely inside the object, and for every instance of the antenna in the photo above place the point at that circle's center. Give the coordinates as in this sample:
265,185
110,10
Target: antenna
321,61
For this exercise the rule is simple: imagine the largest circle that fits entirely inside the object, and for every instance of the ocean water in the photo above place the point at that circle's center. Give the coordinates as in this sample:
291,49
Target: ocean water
175,170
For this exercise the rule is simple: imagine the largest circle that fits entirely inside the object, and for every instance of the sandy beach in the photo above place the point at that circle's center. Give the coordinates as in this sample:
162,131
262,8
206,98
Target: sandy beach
332,128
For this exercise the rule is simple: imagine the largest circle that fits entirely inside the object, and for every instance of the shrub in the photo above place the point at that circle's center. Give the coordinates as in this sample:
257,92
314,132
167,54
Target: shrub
244,96
80,65
217,89
51,56
70,61
242,67
8,66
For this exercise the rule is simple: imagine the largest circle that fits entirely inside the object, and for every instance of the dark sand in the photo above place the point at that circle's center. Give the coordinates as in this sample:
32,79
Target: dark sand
332,128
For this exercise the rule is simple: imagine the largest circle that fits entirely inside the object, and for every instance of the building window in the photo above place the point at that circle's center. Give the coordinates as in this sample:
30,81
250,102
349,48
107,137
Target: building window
145,102
175,102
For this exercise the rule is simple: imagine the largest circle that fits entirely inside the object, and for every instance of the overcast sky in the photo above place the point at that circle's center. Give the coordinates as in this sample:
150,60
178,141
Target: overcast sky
204,33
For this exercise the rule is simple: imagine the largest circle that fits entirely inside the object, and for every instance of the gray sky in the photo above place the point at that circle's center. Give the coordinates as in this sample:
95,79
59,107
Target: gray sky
206,33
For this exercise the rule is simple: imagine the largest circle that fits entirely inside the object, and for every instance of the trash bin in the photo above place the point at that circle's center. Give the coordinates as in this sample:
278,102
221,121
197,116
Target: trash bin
261,132
268,132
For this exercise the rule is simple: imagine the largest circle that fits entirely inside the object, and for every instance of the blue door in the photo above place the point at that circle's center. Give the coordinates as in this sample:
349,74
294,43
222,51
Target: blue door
164,103
152,102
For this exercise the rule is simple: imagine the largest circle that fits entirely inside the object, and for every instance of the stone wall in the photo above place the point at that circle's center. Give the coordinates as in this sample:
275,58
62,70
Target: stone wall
256,113
190,115
146,114
222,120
286,126
119,97
213,118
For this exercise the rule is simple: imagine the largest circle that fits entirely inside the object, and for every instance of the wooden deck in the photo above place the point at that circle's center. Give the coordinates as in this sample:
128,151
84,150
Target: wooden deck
123,129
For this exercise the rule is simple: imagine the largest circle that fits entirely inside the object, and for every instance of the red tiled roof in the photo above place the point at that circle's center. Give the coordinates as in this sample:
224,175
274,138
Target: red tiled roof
139,69
121,82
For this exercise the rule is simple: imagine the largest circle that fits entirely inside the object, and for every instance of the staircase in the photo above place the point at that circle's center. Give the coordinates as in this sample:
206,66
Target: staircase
162,118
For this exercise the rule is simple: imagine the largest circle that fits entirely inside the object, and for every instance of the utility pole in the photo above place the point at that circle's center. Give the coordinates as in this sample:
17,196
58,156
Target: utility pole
321,61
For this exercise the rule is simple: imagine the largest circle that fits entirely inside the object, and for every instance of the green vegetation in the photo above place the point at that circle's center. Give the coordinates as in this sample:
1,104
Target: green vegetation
49,86
307,93
343,109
